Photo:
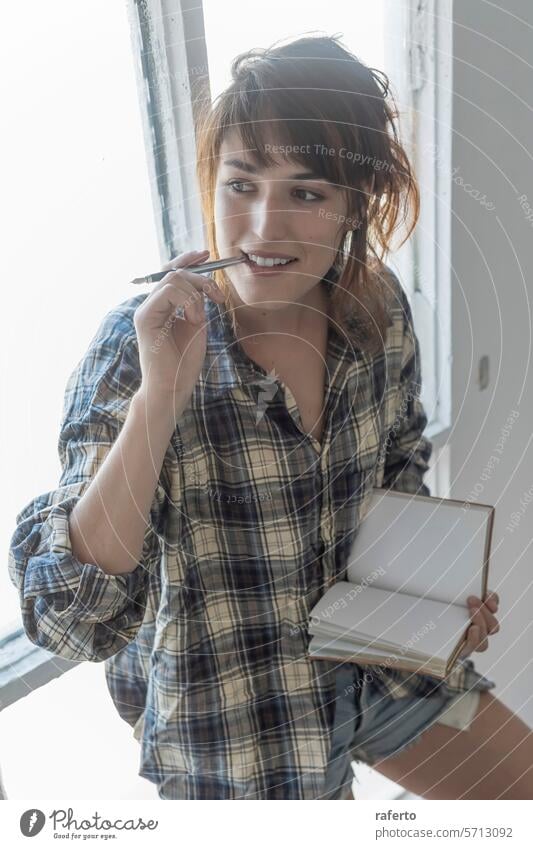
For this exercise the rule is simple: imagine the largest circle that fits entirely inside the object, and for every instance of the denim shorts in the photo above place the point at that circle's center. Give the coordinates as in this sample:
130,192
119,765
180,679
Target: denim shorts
370,725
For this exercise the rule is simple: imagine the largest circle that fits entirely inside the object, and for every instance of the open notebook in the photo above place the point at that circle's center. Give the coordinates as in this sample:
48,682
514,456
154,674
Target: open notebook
414,562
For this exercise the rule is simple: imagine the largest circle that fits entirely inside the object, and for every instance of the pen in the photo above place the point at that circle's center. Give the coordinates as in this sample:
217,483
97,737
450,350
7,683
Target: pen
202,268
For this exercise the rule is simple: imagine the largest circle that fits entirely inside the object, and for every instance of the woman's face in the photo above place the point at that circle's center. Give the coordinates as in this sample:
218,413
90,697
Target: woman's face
282,211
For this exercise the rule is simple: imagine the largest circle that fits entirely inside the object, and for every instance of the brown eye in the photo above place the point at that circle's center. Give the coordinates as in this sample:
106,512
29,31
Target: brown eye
314,197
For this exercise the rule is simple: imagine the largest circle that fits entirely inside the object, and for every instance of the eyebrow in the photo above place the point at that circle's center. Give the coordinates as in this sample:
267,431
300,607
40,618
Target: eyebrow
251,169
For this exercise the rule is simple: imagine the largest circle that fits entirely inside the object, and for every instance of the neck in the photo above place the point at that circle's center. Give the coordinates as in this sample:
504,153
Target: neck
293,319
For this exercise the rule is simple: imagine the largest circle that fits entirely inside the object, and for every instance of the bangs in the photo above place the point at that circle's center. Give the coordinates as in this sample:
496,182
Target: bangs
288,126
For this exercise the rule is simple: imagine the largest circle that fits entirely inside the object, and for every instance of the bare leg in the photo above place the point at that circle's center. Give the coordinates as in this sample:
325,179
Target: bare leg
493,759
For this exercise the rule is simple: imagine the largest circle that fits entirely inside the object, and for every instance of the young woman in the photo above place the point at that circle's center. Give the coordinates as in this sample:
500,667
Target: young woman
217,466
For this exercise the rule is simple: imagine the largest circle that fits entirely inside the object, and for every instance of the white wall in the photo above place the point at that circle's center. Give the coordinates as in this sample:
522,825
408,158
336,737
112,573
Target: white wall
492,258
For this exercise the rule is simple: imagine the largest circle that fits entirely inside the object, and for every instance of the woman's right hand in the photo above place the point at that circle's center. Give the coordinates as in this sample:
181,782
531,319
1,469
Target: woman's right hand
172,349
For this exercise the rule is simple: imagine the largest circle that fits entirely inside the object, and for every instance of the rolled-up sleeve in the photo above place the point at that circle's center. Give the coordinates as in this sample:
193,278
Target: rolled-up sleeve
407,450
74,609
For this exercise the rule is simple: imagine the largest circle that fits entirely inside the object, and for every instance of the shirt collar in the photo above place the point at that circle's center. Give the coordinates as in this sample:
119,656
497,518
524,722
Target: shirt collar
233,367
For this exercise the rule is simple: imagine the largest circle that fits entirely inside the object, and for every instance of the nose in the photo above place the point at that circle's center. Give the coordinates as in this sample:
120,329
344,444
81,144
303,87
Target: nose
270,218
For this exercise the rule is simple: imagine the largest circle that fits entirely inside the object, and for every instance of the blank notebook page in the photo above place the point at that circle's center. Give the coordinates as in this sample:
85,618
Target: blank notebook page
426,547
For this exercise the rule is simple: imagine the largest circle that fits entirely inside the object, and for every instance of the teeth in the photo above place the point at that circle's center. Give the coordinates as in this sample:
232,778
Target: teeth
268,261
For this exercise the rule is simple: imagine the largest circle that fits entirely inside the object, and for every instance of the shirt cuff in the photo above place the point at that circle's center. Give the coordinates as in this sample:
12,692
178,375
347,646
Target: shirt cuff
81,590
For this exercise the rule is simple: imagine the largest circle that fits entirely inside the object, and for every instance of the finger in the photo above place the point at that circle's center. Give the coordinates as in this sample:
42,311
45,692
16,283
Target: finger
492,600
210,288
489,605
471,641
473,637
491,623
193,283
483,643
184,259
476,639
475,604
479,620
191,299
474,600
193,295
167,301
202,285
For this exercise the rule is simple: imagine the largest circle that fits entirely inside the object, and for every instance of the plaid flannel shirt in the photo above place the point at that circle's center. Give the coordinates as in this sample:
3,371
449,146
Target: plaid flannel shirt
205,642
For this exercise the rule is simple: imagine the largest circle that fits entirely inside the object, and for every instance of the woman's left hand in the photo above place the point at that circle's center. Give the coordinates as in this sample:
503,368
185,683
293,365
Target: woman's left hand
484,623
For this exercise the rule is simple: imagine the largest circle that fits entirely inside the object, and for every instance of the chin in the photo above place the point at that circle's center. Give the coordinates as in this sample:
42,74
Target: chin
258,294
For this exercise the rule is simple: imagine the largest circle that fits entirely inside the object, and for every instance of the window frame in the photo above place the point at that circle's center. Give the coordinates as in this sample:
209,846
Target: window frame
430,35
168,42
421,83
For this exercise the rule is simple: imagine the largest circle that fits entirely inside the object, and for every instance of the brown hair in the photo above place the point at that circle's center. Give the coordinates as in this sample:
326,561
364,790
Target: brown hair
314,92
